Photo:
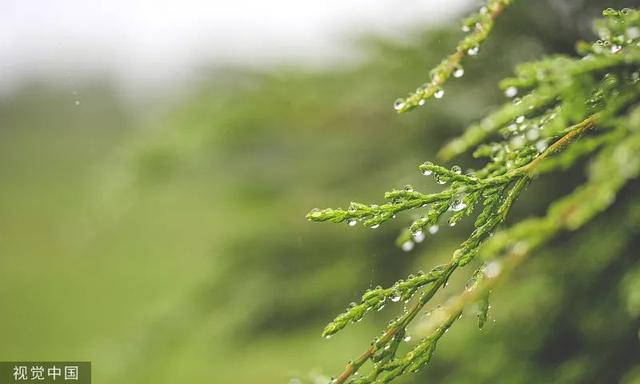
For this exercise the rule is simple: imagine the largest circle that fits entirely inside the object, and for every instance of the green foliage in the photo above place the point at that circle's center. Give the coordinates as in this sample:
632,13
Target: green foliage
570,108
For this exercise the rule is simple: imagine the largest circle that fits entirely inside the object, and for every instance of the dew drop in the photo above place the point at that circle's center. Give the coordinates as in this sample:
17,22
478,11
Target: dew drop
518,141
519,119
434,229
633,33
408,188
458,72
533,134
374,226
407,245
407,338
395,298
541,145
456,169
511,91
399,104
493,269
439,93
473,50
352,222
427,172
418,236
457,206
615,48
466,28
315,213
421,102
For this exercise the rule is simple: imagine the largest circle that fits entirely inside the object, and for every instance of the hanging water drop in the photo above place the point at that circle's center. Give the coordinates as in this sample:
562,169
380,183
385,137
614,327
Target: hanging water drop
457,206
421,102
315,213
399,104
519,119
434,229
352,222
493,269
541,145
425,171
418,236
407,245
533,134
511,91
408,188
439,93
458,72
456,169
407,338
374,226
473,50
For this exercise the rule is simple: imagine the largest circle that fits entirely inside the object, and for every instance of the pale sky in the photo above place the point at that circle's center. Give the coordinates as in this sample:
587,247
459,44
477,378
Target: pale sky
148,41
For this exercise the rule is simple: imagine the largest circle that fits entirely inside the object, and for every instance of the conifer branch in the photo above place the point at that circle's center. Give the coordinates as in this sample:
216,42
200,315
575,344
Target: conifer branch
479,26
565,100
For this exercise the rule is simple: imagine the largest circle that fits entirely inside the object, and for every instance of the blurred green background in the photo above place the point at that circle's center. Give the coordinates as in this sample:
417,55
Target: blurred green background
167,243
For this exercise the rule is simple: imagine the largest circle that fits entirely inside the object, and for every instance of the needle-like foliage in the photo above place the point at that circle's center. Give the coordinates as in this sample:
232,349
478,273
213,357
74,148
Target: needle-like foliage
563,109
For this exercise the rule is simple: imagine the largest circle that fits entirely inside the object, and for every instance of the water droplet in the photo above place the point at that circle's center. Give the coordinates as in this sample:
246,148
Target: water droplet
407,245
77,102
352,222
466,28
518,141
457,206
456,169
374,226
511,91
421,101
473,50
439,93
615,48
493,269
633,33
327,336
541,145
440,180
407,338
315,213
408,188
519,119
418,236
434,229
533,134
395,298
399,104
427,172
458,72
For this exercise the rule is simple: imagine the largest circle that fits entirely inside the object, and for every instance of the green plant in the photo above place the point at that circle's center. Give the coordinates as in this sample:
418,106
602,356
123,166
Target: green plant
571,108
